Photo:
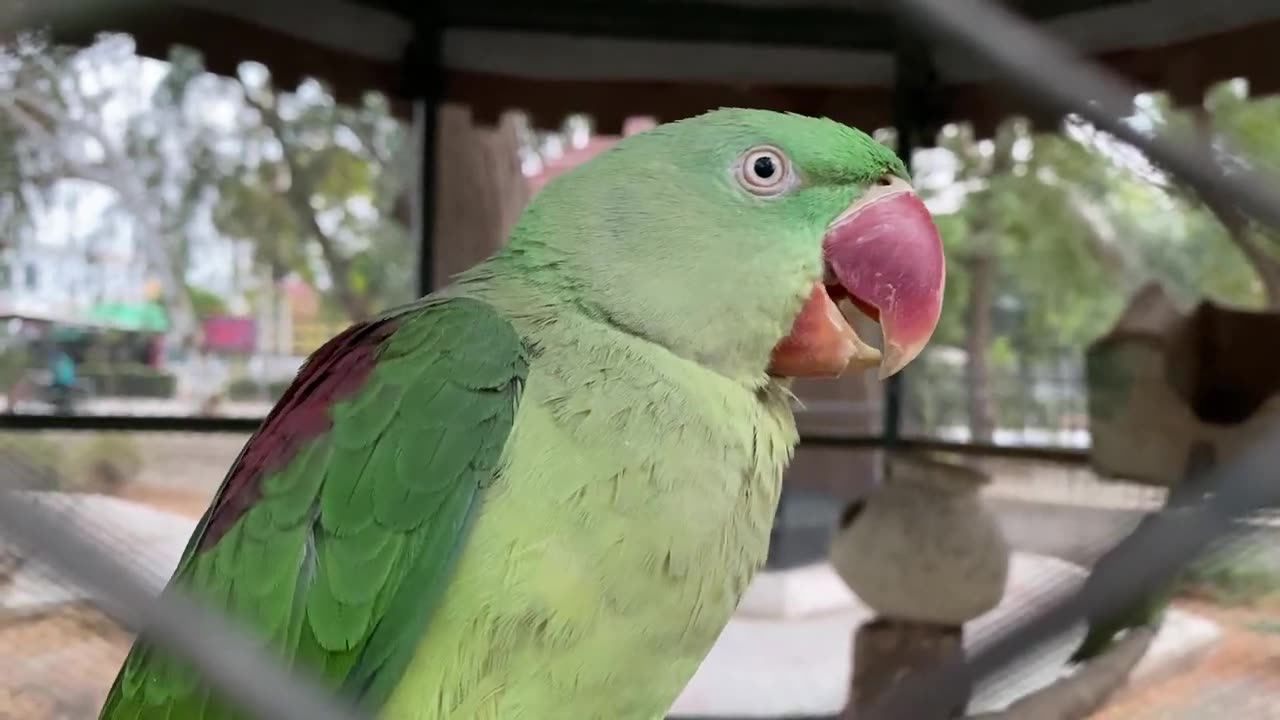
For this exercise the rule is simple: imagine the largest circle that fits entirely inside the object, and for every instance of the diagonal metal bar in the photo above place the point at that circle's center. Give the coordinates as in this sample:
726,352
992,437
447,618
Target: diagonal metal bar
1149,558
224,656
1048,72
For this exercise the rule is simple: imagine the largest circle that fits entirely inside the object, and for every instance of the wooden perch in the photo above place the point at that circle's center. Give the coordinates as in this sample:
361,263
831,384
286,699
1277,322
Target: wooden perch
1080,695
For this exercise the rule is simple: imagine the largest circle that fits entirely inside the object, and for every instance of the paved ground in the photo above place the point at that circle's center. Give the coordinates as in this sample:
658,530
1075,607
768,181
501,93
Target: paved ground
162,407
1239,680
182,470
760,667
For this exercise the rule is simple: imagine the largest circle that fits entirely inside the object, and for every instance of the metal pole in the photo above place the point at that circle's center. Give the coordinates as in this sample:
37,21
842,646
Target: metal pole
424,75
911,62
226,659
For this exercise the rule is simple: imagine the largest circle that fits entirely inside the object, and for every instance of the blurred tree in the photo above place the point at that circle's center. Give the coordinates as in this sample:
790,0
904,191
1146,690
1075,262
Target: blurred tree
1243,130
66,106
324,192
310,187
1046,234
206,304
1036,261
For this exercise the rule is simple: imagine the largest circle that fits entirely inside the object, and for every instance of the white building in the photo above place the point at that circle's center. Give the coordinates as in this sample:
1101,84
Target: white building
64,281
75,254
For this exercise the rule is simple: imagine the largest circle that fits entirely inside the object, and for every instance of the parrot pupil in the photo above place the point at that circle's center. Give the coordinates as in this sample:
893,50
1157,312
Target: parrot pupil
764,167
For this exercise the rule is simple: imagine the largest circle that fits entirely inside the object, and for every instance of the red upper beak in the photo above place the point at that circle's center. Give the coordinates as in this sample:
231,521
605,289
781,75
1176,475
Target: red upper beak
884,254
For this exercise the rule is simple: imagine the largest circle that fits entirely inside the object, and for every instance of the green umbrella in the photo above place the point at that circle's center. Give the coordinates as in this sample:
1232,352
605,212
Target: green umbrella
138,317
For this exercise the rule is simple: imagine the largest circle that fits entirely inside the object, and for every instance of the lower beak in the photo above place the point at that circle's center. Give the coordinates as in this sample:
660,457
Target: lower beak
884,255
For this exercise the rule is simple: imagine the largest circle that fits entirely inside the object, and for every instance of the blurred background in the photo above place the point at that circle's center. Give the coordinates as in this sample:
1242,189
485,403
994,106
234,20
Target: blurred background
194,197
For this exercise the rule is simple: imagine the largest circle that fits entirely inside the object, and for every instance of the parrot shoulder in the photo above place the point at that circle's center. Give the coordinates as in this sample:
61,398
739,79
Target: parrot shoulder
336,529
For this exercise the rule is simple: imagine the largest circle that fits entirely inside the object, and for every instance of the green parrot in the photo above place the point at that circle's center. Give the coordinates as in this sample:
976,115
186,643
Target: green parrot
541,491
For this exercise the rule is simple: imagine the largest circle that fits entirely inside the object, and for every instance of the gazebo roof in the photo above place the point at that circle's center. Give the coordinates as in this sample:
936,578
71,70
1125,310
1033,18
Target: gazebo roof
674,58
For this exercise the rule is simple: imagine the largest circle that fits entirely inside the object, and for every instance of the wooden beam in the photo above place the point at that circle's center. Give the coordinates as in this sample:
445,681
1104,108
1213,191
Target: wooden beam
781,22
611,103
225,42
786,23
1187,68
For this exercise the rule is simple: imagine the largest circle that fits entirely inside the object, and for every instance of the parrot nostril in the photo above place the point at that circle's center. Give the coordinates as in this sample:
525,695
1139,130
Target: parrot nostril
884,181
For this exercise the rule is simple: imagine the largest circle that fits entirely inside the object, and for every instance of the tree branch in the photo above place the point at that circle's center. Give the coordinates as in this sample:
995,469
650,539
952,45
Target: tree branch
365,136
299,195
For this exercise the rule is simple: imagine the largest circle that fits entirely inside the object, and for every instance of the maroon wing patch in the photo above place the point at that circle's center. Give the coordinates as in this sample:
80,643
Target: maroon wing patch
336,371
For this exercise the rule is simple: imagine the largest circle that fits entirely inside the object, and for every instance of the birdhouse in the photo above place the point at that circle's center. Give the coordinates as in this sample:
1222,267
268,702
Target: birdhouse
1168,387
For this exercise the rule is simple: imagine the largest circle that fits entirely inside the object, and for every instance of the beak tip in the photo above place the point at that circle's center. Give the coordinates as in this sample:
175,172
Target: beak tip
896,358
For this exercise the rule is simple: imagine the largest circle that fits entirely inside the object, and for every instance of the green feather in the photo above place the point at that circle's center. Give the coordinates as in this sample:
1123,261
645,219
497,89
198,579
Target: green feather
341,557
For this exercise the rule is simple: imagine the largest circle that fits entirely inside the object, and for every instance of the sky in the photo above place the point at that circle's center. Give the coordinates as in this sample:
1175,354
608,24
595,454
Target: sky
75,210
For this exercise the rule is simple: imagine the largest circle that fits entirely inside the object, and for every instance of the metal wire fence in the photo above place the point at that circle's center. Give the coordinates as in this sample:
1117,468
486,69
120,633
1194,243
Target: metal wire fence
55,569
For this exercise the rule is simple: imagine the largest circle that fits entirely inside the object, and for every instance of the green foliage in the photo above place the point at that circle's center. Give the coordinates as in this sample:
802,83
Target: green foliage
14,361
1265,627
33,461
951,330
1075,222
1232,580
104,462
129,380
1209,262
331,206
207,304
250,389
315,189
1054,276
99,462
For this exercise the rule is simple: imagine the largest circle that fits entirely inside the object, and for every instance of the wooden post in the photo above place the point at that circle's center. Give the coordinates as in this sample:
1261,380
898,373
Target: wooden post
886,650
927,557
481,191
915,87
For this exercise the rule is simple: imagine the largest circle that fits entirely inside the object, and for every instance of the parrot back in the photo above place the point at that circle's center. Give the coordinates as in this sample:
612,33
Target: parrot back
637,497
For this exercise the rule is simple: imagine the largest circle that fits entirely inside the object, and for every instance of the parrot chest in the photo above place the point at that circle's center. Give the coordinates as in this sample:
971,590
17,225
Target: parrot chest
630,518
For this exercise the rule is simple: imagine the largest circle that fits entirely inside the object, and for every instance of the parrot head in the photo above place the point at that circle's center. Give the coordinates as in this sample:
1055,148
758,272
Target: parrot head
733,238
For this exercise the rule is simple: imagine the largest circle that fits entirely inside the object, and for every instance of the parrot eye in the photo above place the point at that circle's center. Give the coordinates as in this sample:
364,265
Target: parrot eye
764,171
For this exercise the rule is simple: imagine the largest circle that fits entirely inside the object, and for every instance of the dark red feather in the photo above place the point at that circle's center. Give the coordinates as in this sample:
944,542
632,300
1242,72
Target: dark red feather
336,371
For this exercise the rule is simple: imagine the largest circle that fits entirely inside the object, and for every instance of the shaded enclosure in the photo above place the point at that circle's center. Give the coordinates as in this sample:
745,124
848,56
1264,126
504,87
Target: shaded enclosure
444,119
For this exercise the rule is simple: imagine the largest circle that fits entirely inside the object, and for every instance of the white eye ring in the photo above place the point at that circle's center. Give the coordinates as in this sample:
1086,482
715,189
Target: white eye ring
764,171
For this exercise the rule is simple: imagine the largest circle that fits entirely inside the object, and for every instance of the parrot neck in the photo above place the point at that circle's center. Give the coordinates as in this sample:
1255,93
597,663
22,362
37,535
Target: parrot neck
527,286
527,282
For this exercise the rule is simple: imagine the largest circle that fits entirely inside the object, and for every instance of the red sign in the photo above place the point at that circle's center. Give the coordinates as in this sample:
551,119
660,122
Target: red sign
228,333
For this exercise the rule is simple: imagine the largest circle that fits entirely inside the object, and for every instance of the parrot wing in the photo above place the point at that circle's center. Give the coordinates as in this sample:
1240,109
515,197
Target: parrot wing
335,530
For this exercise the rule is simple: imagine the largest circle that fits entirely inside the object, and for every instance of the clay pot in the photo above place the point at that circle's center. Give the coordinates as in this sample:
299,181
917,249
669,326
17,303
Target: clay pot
924,548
